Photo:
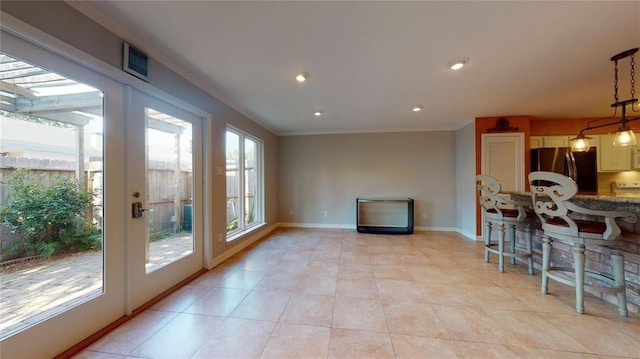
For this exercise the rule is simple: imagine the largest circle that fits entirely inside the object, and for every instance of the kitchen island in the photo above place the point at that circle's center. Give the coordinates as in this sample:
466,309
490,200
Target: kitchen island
598,259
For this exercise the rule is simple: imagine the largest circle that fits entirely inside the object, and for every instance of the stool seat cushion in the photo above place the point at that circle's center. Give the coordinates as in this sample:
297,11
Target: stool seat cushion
583,225
505,212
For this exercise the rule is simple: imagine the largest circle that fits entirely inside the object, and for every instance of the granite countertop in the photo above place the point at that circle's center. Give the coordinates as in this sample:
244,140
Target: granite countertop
613,197
602,196
602,201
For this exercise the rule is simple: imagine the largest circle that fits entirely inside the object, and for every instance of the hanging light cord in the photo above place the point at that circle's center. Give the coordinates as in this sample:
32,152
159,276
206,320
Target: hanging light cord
633,82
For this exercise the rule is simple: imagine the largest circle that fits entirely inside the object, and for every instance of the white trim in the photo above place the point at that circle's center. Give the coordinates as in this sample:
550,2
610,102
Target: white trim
317,225
435,229
471,236
236,235
349,132
247,241
208,176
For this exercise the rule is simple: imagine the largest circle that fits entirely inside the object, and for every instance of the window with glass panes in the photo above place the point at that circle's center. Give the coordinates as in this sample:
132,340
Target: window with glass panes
244,182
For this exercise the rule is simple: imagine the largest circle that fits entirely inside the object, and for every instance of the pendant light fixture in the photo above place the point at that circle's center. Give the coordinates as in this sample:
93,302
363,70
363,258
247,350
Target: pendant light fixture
624,135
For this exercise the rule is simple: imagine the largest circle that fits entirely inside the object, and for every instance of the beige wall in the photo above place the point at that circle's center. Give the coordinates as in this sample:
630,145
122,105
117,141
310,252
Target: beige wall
465,150
65,23
328,172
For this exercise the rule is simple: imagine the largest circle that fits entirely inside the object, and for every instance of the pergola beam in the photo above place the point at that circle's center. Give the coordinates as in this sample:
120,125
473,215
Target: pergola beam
164,126
17,90
68,118
60,103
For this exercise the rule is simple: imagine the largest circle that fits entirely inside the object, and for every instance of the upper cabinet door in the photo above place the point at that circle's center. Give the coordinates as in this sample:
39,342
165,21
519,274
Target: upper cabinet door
556,141
535,142
612,158
548,141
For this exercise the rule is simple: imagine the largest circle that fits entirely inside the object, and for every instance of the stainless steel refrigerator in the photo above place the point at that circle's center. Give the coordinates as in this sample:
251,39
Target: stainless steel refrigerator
581,166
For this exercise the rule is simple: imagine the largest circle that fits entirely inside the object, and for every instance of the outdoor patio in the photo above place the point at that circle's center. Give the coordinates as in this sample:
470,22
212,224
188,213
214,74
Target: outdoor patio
35,290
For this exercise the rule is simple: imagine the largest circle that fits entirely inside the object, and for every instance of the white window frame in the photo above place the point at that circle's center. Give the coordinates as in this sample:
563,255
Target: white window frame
243,228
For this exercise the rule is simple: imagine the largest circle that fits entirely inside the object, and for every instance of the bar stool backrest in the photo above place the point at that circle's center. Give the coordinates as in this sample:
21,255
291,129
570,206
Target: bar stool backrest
551,194
494,205
488,189
549,191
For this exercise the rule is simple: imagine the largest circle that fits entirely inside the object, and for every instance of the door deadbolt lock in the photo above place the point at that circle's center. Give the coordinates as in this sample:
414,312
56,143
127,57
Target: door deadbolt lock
137,211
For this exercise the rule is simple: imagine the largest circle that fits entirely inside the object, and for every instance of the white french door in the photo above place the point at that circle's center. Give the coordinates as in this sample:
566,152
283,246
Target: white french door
151,154
164,187
73,93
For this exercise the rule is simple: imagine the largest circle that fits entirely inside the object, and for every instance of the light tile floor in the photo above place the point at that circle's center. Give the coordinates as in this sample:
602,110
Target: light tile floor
310,293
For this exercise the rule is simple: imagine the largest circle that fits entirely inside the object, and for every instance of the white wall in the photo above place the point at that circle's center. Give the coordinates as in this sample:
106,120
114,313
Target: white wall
465,149
328,172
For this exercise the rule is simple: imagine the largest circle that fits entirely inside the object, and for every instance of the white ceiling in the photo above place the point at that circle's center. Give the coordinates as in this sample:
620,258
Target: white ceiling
372,62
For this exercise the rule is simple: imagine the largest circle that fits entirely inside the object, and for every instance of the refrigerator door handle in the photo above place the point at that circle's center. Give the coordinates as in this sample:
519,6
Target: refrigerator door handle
571,165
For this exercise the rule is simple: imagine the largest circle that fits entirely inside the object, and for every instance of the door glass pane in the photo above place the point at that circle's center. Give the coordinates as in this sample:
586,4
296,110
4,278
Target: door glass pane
250,182
169,182
233,180
51,163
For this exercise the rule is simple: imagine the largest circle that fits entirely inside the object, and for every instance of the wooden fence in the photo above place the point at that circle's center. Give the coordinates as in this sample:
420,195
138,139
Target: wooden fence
166,216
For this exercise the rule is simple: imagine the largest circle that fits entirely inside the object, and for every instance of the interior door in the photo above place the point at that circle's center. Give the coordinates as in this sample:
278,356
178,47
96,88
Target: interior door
53,96
503,159
164,188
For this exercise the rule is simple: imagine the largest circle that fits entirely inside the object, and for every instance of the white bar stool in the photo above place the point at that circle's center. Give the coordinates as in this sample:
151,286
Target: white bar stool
501,212
562,220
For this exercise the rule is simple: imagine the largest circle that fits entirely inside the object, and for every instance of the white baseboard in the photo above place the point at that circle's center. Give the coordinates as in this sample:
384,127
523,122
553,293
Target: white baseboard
469,235
318,225
435,229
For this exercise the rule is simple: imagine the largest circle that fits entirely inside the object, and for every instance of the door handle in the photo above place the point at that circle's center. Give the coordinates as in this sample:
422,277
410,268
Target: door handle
137,211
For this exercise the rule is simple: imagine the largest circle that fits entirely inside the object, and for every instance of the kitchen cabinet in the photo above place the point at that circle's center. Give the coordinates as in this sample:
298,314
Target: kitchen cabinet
535,142
612,158
549,141
556,141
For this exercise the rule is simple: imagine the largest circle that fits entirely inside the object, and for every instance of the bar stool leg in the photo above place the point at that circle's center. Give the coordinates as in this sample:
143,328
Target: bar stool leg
512,242
501,247
617,268
578,259
487,240
546,260
529,246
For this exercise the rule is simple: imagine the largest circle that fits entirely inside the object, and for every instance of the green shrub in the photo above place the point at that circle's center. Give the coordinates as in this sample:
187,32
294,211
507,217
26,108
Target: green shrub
232,225
49,219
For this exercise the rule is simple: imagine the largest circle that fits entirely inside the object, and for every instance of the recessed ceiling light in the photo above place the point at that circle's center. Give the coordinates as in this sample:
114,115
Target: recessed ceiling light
317,113
302,77
457,64
417,109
